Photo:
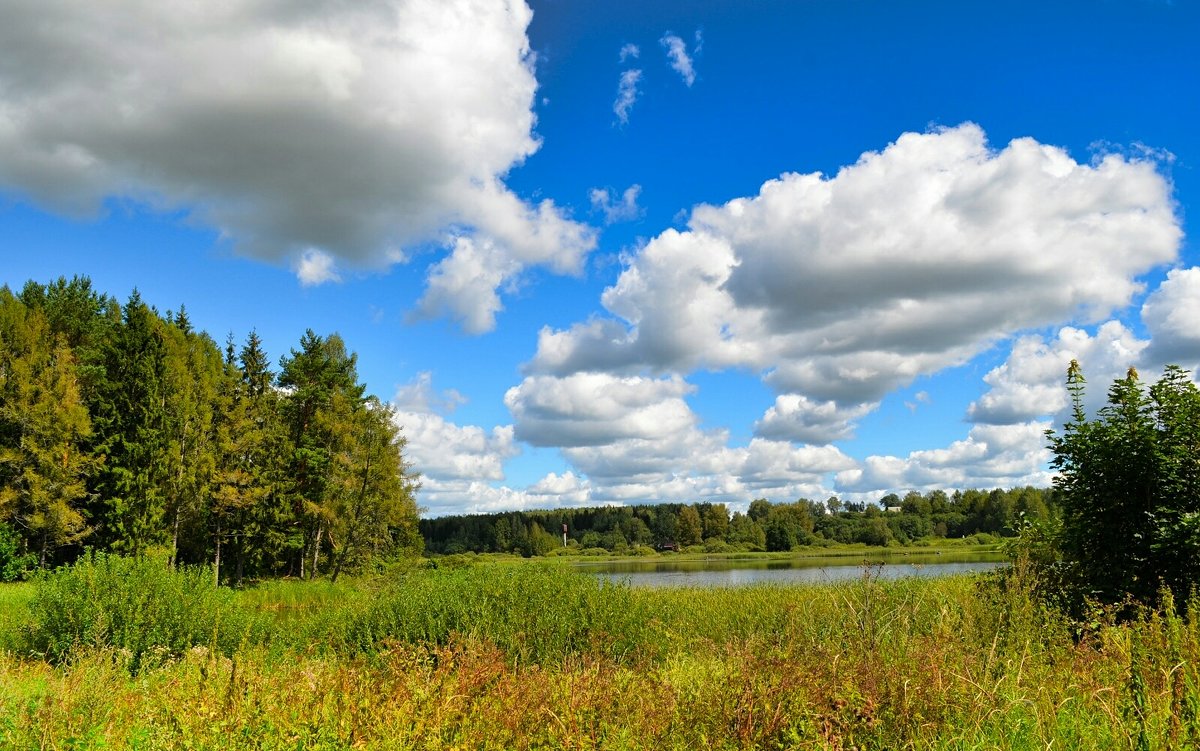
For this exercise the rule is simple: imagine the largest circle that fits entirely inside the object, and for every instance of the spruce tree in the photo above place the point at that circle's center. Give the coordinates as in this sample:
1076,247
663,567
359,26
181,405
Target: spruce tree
129,410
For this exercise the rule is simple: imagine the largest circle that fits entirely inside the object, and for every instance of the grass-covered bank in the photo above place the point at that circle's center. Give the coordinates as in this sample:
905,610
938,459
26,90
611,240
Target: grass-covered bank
536,657
849,554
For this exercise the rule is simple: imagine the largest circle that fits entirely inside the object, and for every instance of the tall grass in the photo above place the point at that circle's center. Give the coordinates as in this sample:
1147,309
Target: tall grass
14,613
532,613
525,657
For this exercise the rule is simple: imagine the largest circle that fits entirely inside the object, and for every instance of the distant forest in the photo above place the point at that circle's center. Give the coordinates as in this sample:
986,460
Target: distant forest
124,429
766,526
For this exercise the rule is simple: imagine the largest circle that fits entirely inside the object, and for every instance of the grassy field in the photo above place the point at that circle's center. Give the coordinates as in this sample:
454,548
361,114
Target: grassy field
527,656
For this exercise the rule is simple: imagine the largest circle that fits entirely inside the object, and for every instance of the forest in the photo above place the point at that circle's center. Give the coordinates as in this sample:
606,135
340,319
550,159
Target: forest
766,526
125,430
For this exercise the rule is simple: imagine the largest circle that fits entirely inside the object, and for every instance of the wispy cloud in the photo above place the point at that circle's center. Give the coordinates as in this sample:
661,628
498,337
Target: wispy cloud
677,53
617,210
627,94
630,51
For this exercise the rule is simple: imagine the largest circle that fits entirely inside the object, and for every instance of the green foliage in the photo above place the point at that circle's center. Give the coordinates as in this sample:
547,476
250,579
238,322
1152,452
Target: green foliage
532,613
15,564
690,528
127,430
953,663
1129,483
137,605
43,428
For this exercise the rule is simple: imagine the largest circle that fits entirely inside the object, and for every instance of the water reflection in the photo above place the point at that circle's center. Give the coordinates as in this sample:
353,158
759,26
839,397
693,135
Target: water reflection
737,573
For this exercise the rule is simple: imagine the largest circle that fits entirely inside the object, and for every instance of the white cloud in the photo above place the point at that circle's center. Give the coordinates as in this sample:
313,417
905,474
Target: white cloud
315,267
442,451
796,418
919,257
591,409
419,395
350,130
464,285
627,94
635,439
921,397
1172,314
616,210
1030,384
677,53
629,52
991,456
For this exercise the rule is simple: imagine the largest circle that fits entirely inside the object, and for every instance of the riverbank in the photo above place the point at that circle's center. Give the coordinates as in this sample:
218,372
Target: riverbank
534,657
854,552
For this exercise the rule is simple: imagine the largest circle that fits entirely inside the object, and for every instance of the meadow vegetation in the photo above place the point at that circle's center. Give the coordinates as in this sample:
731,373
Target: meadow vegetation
537,656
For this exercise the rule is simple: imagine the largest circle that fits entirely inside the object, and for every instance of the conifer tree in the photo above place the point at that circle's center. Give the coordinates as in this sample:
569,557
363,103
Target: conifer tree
317,379
193,370
43,428
130,421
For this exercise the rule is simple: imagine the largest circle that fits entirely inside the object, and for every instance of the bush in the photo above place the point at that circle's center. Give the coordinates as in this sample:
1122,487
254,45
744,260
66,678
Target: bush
1129,485
137,605
532,613
14,565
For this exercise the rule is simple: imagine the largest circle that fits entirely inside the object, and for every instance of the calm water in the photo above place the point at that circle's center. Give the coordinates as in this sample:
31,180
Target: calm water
735,573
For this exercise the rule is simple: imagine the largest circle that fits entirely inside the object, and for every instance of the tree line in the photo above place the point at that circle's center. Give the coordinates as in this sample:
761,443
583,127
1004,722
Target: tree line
765,526
126,430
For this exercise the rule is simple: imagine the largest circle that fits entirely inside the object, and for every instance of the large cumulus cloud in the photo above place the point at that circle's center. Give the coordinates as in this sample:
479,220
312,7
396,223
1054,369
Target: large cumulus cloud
314,131
915,258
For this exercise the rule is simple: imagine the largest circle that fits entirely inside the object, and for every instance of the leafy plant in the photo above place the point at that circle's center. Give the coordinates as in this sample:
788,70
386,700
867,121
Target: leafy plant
137,605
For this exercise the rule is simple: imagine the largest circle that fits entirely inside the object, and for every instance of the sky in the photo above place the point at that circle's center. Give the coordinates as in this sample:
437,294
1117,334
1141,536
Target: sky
629,252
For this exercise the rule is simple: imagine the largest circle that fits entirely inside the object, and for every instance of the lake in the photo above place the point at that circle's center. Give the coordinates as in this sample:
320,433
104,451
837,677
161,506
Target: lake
724,572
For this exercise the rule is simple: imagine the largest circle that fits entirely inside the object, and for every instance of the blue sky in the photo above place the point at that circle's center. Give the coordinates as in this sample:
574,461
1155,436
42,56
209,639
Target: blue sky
634,252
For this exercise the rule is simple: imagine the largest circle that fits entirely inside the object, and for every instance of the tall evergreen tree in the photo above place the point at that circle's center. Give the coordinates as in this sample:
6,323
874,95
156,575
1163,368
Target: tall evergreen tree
129,410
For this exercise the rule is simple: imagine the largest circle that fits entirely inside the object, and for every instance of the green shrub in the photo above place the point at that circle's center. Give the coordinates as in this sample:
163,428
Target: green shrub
533,613
137,605
14,565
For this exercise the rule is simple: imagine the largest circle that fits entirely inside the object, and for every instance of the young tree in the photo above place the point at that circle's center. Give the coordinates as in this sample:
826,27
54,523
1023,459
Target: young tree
193,372
1129,486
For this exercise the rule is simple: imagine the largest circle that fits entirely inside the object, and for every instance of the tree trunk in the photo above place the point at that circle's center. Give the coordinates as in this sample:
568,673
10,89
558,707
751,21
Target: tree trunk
175,538
239,568
217,559
317,550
